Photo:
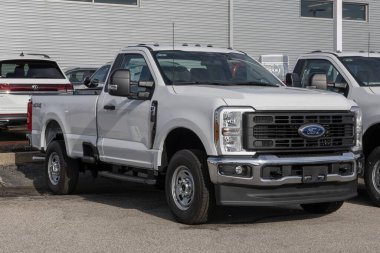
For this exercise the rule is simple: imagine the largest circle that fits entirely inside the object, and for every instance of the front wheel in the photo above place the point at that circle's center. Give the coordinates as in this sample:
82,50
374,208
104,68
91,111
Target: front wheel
189,192
322,208
372,176
61,171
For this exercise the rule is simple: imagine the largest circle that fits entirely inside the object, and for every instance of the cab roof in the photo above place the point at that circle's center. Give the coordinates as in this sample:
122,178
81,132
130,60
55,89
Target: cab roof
184,47
346,54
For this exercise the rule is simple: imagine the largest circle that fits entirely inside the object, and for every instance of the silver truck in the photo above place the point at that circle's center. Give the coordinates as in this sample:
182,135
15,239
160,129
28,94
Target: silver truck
212,126
357,77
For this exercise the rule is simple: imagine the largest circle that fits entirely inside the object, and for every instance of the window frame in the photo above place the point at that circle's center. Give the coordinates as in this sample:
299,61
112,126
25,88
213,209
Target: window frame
366,10
366,5
321,18
137,5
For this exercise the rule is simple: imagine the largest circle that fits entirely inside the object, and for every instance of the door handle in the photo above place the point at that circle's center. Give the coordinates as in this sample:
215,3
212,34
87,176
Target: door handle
109,107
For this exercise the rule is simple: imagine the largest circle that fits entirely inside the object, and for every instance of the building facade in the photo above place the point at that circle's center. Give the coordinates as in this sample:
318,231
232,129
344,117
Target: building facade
90,32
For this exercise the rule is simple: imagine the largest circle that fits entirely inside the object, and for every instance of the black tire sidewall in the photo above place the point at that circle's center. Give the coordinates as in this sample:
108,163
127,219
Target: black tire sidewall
68,169
372,159
202,196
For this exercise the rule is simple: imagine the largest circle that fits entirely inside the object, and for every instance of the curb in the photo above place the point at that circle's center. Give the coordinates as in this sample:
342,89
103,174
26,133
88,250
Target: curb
9,159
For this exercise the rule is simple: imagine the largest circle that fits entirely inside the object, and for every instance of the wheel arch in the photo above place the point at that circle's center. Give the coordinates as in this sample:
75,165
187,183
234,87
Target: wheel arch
371,139
177,139
52,131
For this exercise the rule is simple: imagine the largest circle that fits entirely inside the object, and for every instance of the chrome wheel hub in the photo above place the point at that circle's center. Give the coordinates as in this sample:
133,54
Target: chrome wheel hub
54,168
182,187
376,176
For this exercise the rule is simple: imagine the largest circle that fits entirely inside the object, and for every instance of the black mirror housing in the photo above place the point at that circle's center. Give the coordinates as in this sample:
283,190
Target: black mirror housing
293,80
87,81
120,82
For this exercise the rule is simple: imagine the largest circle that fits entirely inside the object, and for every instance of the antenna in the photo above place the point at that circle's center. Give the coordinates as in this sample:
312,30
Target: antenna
173,54
369,42
173,35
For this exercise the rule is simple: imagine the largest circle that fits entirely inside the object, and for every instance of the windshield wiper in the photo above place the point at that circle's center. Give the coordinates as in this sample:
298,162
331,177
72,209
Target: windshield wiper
197,83
253,83
225,84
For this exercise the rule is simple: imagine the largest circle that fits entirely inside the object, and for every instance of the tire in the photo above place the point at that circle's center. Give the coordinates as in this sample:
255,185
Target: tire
192,201
61,171
372,176
322,208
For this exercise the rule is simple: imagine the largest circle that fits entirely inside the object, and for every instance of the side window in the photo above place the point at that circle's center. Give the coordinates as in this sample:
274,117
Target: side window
101,74
320,67
335,81
137,66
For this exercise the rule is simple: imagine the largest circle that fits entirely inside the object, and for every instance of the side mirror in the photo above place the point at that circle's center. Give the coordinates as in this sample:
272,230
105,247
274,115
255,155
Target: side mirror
120,82
94,83
87,81
319,81
293,80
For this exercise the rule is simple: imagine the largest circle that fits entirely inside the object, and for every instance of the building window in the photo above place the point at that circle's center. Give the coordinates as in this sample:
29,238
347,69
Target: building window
325,9
317,9
126,2
355,11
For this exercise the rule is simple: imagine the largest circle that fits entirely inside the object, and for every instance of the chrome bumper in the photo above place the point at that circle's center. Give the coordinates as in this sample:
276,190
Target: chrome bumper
271,160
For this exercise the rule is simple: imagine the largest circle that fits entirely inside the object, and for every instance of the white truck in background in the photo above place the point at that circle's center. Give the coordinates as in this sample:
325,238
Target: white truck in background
212,125
357,77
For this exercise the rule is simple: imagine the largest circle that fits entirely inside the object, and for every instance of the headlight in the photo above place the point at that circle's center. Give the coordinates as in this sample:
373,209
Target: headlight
228,130
358,128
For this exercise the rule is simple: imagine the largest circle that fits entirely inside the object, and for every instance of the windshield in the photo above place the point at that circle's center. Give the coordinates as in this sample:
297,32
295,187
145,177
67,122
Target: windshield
366,70
186,68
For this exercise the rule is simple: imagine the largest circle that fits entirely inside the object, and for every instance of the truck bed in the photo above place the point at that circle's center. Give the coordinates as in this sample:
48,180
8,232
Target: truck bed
75,113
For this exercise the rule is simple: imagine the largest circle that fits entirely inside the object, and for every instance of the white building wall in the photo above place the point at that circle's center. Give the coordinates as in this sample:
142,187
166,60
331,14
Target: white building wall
276,27
79,33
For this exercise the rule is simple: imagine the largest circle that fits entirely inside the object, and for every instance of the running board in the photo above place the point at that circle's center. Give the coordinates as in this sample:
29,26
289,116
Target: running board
127,178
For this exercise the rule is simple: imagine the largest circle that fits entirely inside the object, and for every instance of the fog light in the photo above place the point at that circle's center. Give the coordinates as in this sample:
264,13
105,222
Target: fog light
239,170
235,170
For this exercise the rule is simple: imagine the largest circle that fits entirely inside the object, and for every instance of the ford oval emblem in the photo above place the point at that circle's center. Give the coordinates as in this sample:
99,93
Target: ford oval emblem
311,131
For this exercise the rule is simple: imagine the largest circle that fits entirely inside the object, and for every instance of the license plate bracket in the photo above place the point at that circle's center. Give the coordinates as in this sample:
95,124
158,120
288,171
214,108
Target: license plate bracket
314,174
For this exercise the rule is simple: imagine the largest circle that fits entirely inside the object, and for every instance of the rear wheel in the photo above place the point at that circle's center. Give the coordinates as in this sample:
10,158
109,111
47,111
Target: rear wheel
322,208
189,192
61,171
372,176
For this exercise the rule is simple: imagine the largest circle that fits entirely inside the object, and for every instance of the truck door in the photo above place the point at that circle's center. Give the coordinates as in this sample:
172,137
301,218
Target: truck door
123,123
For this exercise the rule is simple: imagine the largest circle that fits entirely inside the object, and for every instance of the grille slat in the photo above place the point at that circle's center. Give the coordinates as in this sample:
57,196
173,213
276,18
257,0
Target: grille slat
264,131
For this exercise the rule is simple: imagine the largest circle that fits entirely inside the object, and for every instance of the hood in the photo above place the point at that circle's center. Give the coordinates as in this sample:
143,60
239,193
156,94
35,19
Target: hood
270,98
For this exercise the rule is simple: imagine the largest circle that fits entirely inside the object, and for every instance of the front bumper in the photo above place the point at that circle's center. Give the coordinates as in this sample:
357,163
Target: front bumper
289,189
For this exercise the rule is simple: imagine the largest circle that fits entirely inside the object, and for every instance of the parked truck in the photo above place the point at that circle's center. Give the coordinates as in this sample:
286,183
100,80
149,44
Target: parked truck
357,77
211,125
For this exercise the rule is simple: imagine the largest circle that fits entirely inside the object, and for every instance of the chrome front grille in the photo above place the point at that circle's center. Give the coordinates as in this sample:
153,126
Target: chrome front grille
279,131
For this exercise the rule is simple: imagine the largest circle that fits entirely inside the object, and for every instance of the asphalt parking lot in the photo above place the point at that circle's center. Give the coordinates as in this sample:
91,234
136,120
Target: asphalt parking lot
111,216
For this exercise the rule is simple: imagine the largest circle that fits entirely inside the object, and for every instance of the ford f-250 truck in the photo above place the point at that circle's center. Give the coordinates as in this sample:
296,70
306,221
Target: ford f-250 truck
212,124
356,76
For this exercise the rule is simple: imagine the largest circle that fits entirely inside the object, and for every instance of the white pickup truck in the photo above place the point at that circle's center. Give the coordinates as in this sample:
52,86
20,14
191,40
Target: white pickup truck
356,76
212,125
